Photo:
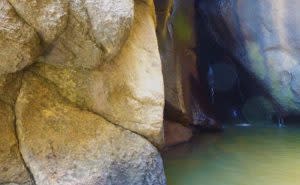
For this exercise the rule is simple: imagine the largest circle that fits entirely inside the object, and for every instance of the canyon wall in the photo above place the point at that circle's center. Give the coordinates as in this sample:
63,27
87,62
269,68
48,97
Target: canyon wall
81,93
263,36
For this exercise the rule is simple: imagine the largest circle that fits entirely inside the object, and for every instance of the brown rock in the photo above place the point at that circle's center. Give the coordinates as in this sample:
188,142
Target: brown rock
176,133
19,43
64,145
127,91
12,168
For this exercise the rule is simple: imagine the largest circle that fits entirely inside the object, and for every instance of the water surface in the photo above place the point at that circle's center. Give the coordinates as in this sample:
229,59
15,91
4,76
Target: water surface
239,156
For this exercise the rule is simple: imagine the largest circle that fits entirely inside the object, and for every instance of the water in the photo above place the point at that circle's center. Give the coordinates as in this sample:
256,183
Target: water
239,156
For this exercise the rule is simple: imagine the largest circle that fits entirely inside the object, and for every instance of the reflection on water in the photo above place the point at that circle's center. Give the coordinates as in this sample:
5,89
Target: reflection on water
239,156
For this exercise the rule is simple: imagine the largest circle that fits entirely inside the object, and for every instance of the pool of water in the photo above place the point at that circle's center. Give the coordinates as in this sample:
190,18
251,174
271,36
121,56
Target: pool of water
239,156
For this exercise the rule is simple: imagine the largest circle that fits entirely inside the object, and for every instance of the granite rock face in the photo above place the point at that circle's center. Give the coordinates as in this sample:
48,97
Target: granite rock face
19,43
81,93
264,37
129,90
94,34
63,144
12,168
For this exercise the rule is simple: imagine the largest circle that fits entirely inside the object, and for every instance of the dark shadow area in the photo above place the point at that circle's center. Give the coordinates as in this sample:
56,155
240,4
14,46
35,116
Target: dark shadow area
222,78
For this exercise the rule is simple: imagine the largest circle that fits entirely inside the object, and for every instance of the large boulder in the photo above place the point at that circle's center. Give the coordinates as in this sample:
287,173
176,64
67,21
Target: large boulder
19,43
264,37
49,18
65,145
176,133
94,34
90,108
127,91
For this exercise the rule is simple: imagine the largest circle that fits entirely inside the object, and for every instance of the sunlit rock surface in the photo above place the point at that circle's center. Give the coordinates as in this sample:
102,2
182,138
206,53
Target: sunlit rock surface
90,106
264,36
48,18
129,90
65,145
19,43
94,34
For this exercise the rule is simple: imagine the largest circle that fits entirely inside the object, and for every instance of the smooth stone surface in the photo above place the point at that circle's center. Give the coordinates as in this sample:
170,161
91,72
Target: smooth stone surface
64,145
176,133
265,37
95,33
127,91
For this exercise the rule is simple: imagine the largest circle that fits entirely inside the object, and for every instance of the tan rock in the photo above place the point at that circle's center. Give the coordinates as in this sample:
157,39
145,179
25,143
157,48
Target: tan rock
12,169
19,43
64,145
9,87
176,133
128,91
48,17
95,33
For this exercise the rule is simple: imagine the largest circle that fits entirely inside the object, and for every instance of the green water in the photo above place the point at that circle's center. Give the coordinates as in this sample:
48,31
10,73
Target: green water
239,156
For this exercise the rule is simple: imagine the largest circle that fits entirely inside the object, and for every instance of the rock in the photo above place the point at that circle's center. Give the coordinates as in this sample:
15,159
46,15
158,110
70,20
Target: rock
127,91
264,36
175,107
12,168
19,43
9,87
176,133
49,18
177,37
65,145
96,31
84,112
